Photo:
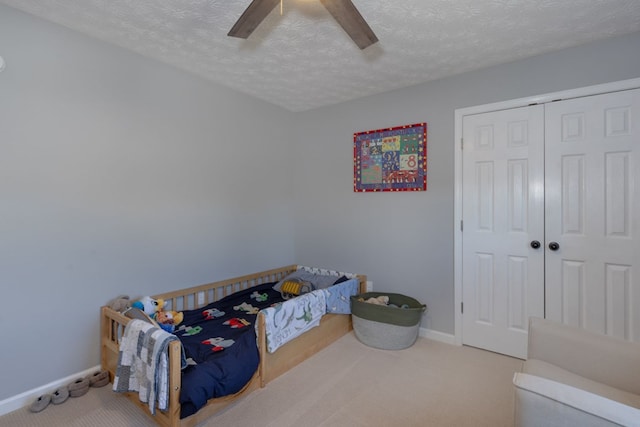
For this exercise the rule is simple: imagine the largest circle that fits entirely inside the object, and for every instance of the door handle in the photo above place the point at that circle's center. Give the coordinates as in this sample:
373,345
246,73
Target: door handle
554,246
535,244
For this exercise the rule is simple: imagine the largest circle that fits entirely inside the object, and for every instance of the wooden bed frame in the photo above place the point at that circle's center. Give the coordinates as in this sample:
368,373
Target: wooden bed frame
272,365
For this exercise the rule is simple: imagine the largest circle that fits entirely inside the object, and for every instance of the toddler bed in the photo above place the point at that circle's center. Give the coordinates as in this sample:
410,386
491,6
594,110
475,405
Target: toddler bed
272,356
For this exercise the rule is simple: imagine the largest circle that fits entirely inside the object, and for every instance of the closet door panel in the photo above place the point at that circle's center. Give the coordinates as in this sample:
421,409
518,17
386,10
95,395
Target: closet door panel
592,211
503,282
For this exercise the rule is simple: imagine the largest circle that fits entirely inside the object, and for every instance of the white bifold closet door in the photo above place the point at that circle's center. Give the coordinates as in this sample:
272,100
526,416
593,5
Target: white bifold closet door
592,193
503,212
551,217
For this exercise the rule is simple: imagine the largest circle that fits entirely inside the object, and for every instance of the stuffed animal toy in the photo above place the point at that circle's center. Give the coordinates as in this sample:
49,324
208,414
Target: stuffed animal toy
120,303
168,320
380,300
149,305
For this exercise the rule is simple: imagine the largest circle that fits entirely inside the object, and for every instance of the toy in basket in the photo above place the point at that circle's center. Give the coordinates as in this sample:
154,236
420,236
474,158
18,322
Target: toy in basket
385,320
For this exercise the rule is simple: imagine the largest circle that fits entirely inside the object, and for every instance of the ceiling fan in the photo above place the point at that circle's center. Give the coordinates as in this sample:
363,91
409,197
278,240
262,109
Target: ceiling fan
343,11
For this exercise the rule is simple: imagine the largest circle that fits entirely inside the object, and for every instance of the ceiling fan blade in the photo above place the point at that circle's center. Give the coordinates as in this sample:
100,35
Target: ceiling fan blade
252,17
351,21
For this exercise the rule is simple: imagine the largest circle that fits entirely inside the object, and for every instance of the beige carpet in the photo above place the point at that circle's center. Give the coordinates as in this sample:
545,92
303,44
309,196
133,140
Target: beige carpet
346,384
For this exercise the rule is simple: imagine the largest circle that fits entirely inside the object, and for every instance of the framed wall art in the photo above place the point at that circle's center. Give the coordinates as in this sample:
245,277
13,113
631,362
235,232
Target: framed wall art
392,159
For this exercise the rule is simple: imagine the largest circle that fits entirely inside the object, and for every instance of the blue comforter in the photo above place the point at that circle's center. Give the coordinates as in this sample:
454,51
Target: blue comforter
220,339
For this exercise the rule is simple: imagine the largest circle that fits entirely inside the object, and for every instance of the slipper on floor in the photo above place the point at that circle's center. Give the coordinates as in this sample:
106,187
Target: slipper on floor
78,387
60,396
99,379
40,403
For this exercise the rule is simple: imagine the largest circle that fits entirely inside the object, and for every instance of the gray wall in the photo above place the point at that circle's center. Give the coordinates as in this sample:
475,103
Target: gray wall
404,241
121,176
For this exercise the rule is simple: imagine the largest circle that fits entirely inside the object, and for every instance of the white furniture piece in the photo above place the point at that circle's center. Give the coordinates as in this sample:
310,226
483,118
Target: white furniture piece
573,377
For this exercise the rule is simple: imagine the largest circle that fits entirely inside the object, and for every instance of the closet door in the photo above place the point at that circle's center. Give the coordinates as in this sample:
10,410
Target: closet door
503,218
592,187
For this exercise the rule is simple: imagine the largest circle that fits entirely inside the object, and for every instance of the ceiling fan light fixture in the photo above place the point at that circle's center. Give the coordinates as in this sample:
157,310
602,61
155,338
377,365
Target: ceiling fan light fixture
343,11
350,19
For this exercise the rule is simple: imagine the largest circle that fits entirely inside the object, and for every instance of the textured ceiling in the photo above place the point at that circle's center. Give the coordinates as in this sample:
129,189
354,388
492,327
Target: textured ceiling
304,59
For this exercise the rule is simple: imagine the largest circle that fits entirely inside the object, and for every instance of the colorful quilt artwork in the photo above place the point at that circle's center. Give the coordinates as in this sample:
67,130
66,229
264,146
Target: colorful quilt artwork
393,159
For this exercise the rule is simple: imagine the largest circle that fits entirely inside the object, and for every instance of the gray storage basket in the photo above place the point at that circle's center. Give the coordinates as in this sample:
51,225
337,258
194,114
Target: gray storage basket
386,327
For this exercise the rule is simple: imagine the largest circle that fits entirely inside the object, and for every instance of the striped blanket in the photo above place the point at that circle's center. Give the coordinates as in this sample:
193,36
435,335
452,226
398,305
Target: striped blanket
143,363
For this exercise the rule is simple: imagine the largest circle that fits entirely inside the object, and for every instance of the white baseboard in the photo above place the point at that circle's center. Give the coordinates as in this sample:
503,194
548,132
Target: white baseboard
25,399
437,336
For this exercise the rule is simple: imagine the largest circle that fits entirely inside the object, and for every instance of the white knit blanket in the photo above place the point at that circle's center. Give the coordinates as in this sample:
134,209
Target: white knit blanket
143,363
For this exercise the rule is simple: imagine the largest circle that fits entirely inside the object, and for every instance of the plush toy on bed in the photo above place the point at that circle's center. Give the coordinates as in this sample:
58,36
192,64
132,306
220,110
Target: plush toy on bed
149,305
120,303
168,320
